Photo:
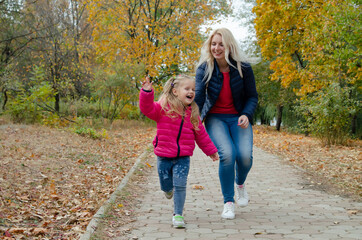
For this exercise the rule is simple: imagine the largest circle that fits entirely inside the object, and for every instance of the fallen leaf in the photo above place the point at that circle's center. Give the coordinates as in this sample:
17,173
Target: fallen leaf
17,230
39,231
197,187
7,234
352,212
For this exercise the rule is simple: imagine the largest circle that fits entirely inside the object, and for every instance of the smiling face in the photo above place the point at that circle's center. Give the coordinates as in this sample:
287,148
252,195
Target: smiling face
185,91
217,48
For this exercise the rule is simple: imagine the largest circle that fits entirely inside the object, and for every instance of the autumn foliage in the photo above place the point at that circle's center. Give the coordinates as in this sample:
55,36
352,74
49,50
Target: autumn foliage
313,43
314,50
162,35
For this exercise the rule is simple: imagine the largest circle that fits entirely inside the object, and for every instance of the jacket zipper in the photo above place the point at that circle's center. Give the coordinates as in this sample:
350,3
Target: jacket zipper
178,137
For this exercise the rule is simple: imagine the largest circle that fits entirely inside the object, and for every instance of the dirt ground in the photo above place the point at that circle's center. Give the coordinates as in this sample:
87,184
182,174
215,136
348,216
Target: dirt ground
52,181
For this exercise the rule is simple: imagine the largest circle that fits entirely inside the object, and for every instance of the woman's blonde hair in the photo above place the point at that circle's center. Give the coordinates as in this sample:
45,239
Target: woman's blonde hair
232,50
172,105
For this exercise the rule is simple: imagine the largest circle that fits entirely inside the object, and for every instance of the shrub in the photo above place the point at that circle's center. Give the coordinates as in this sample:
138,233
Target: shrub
91,132
33,105
328,114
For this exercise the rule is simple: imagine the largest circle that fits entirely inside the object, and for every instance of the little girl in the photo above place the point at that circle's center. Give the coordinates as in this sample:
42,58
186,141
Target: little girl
178,127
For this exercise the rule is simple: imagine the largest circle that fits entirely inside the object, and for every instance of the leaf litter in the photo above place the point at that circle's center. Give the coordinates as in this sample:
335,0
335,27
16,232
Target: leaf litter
336,169
52,181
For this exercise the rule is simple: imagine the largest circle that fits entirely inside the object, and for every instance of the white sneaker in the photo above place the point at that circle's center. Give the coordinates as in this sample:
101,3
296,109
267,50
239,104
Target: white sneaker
178,221
242,197
229,211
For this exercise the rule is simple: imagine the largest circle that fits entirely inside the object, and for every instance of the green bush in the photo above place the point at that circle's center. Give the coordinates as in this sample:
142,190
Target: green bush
32,106
91,132
328,114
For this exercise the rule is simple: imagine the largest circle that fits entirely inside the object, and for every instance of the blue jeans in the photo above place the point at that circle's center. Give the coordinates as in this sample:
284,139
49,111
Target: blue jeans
235,147
173,173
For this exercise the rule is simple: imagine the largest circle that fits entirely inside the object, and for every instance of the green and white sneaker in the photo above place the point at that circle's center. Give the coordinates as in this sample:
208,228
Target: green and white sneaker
169,194
178,221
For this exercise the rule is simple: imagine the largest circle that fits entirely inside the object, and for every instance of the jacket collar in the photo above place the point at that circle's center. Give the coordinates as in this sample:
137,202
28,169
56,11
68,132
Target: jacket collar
216,67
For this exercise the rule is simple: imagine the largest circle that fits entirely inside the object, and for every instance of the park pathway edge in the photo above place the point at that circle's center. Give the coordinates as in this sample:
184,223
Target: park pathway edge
93,224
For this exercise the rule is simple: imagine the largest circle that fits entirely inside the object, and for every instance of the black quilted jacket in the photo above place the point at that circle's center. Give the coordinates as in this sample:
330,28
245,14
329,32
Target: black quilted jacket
243,90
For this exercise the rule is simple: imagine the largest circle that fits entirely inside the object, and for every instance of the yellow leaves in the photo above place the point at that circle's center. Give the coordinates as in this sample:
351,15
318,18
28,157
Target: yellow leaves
314,33
135,33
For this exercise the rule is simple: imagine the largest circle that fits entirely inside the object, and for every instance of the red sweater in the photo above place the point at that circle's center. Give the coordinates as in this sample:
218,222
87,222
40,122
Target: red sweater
224,103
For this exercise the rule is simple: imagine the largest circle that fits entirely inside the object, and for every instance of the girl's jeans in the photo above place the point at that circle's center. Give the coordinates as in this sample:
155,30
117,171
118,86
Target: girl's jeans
235,147
173,174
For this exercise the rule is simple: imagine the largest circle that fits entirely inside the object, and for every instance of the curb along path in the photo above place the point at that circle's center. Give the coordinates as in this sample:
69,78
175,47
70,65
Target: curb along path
280,207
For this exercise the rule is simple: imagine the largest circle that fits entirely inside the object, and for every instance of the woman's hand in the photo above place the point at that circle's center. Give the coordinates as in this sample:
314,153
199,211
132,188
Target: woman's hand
243,121
147,85
214,157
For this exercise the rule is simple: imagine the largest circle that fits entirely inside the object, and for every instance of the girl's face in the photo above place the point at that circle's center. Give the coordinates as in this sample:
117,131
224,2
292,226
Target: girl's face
217,47
185,91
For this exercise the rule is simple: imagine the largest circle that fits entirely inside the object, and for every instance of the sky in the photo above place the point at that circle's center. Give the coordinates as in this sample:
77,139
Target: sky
234,25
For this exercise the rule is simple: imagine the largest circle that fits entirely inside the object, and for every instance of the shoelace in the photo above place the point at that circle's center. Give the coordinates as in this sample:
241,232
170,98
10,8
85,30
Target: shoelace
179,218
228,207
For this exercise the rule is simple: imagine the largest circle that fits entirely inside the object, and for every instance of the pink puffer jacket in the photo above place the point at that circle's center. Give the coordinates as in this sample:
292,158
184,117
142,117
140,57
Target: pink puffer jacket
175,137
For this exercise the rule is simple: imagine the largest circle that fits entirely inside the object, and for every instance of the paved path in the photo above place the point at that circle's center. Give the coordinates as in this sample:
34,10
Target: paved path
281,207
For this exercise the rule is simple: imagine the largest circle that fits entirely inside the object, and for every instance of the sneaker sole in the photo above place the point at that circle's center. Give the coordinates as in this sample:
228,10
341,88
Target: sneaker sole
242,205
179,226
228,218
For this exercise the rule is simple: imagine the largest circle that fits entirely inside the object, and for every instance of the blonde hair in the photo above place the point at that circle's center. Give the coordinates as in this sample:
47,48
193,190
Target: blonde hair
172,105
232,50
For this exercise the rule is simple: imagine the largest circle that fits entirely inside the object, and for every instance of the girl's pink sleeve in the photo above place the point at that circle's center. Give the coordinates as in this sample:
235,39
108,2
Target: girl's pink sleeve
147,105
203,140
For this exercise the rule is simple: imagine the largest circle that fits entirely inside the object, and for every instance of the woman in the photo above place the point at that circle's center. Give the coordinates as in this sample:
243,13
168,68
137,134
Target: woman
227,97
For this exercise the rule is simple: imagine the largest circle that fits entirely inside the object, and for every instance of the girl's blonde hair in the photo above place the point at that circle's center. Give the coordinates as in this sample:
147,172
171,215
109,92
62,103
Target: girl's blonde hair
172,105
232,50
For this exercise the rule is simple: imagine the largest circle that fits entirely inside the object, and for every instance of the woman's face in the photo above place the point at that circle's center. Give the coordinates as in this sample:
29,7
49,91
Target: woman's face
217,48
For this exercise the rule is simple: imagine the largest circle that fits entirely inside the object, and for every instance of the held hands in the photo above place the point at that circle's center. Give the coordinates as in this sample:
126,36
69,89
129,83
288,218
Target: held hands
243,121
147,85
214,157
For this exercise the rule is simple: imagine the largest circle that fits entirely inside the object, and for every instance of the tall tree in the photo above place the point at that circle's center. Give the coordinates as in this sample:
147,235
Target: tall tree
311,42
162,35
316,46
58,46
14,38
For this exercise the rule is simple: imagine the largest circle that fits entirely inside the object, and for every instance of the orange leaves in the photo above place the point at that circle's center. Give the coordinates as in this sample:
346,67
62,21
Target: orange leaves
197,187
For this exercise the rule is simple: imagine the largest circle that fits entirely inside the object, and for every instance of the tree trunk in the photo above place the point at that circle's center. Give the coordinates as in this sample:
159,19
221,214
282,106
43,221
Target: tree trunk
57,100
354,124
279,116
5,98
263,119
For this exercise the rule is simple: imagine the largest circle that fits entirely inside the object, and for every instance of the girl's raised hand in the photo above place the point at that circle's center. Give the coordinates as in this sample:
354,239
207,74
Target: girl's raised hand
147,85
